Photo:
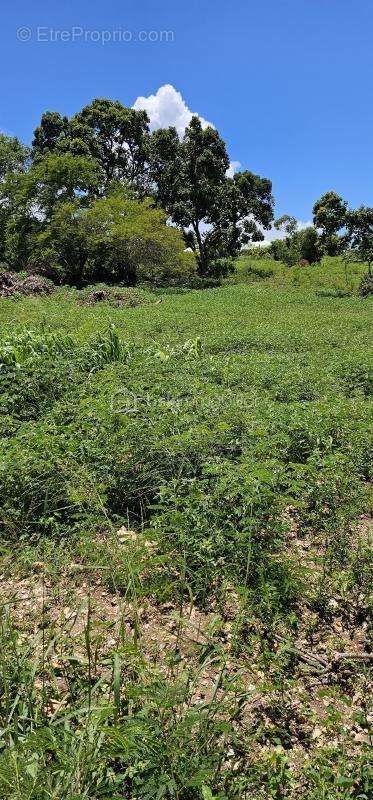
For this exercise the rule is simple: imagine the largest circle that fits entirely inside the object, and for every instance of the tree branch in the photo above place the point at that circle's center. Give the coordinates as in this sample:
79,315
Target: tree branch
317,661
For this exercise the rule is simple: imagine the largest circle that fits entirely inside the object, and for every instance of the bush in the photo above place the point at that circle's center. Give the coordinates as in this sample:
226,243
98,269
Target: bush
116,240
366,286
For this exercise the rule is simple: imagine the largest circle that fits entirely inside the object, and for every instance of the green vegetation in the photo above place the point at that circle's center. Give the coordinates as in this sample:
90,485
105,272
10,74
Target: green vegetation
102,173
337,231
184,482
116,239
98,197
184,474
330,274
217,214
298,246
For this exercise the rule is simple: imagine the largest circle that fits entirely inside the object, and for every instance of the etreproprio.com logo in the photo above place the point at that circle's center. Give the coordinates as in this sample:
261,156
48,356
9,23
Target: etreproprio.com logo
78,34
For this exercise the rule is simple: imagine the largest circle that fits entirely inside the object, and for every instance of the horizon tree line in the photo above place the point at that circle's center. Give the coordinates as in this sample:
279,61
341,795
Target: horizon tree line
98,196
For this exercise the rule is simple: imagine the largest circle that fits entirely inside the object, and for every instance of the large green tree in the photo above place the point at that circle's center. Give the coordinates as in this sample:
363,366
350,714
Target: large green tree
115,136
14,159
217,214
105,145
30,198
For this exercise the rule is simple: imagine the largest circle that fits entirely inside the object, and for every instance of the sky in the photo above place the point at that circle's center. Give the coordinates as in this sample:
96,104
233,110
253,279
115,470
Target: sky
288,83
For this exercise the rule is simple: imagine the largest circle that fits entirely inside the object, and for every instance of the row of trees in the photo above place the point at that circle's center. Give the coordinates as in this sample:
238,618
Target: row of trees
98,196
337,230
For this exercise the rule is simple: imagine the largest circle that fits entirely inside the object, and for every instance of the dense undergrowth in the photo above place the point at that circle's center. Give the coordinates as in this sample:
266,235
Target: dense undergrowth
206,427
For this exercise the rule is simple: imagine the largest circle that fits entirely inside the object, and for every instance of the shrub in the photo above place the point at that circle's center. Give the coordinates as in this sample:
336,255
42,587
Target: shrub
366,285
226,526
116,240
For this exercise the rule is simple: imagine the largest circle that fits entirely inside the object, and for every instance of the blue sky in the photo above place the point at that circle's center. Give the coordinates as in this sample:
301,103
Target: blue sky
288,83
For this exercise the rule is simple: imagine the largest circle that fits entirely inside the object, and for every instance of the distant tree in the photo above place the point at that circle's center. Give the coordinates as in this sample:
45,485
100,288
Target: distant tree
298,245
308,245
359,225
216,214
287,224
329,215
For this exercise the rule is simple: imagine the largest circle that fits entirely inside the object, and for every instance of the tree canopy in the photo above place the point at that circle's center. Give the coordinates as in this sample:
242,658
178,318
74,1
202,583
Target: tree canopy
217,214
329,215
13,155
113,135
100,188
359,226
107,149
116,239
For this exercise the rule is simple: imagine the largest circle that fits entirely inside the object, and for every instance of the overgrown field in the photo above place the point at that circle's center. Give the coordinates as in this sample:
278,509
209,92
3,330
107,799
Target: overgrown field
185,559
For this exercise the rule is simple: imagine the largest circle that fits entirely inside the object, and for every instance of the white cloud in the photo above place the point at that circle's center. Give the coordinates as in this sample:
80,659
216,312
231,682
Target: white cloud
167,107
233,166
275,234
303,225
